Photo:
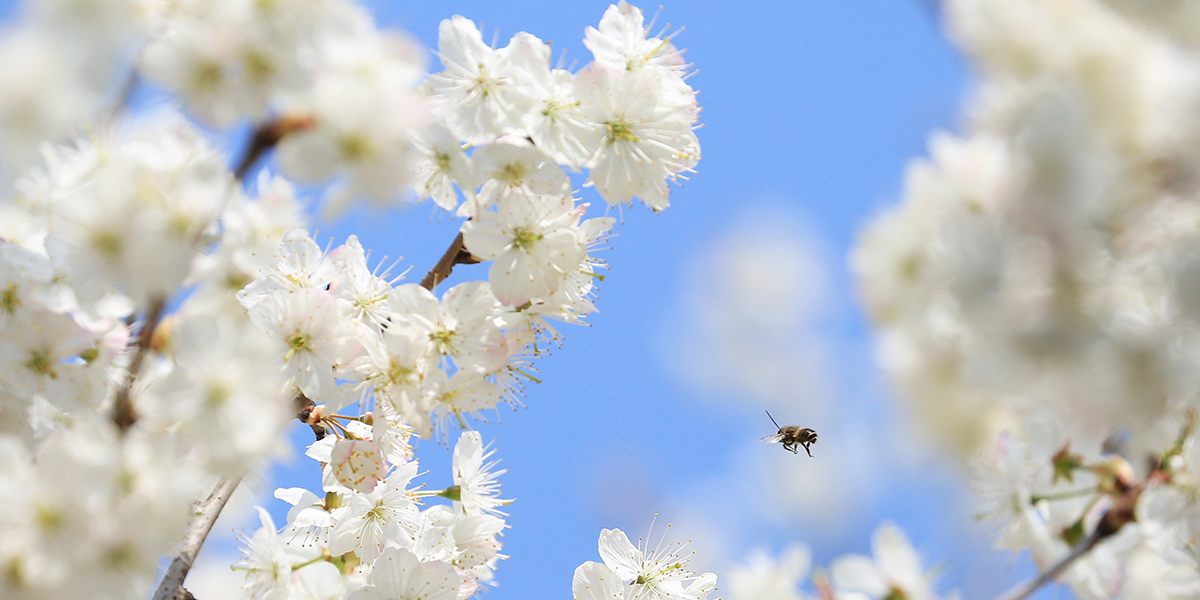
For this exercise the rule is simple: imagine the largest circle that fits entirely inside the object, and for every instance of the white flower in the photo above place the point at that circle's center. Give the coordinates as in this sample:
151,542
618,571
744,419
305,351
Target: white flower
398,574
533,241
595,581
297,263
318,581
638,141
37,358
895,569
777,578
478,489
130,210
460,326
268,561
217,395
464,393
366,114
480,92
387,515
441,165
310,518
654,574
363,293
556,123
358,464
394,372
621,41
43,95
307,323
506,169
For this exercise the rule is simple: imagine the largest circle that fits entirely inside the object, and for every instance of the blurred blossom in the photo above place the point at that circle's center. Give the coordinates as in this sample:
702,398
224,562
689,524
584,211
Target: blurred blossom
748,326
1044,255
775,577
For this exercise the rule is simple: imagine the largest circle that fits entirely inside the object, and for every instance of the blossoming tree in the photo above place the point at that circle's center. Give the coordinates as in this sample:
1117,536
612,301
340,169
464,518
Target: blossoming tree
165,315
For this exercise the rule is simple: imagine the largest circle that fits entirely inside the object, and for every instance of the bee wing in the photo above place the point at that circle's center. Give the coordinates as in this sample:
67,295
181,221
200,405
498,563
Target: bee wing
773,439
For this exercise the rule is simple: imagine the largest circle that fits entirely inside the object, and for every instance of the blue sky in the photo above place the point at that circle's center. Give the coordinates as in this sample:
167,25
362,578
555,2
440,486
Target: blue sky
811,111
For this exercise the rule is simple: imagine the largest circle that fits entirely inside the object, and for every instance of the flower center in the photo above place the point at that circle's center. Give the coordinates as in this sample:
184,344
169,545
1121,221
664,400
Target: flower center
524,238
298,342
40,363
619,130
10,300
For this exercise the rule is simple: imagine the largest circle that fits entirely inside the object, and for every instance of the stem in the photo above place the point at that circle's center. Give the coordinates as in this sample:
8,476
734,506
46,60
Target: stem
1063,495
124,415
456,254
171,586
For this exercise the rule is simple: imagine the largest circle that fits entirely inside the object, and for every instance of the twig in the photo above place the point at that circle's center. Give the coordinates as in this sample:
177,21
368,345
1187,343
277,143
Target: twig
1114,519
265,137
456,254
1027,589
124,415
171,586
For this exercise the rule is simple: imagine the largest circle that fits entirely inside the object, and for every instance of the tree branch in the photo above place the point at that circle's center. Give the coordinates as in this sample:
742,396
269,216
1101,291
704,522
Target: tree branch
456,254
171,586
265,137
1114,519
1027,589
124,415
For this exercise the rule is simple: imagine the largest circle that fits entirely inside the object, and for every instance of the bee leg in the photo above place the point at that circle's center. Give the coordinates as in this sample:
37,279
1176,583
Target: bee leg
808,451
790,448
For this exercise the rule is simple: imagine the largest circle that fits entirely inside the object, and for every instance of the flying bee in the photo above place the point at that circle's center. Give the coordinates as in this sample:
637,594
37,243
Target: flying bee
791,436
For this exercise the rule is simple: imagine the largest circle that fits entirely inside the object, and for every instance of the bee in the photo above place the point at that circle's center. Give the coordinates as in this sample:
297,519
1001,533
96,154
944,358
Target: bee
791,436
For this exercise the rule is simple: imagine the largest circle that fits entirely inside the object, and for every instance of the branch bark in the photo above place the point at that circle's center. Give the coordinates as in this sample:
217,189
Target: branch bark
456,254
171,586
265,137
124,414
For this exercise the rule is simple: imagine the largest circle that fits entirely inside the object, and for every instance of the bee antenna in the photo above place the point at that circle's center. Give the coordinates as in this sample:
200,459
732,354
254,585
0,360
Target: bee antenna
772,419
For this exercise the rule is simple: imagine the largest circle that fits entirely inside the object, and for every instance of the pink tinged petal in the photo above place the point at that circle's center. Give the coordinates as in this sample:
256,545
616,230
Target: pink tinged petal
595,581
468,587
857,573
620,554
358,464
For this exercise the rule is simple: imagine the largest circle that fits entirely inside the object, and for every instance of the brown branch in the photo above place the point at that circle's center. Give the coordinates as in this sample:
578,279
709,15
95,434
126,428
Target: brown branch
265,137
171,586
456,254
124,415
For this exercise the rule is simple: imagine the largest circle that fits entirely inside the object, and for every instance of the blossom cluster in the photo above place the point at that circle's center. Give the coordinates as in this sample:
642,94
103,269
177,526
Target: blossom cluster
366,537
894,572
1042,270
163,316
